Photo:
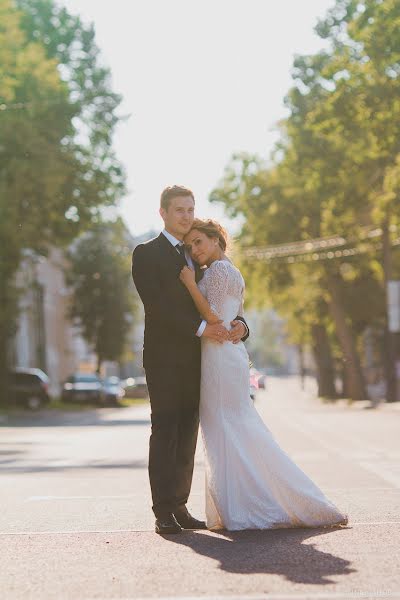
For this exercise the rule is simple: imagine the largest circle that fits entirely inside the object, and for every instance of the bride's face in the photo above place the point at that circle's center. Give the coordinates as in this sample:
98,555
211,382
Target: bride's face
202,249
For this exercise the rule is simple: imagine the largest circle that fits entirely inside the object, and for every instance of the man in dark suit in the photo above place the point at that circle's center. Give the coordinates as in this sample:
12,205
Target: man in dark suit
171,359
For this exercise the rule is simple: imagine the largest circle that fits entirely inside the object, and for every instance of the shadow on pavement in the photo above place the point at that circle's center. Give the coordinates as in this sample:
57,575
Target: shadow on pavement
11,466
279,552
92,418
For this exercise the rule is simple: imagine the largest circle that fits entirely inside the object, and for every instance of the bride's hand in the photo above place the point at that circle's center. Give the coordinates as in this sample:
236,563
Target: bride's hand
187,276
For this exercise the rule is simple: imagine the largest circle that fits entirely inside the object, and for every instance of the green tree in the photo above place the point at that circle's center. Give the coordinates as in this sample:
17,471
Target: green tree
276,213
58,114
361,118
30,154
335,171
102,297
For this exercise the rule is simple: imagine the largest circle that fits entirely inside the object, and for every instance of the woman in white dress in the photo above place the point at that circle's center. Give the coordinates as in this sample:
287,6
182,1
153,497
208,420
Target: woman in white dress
251,483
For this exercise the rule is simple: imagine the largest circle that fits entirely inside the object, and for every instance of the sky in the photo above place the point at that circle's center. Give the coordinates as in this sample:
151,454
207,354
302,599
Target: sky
200,80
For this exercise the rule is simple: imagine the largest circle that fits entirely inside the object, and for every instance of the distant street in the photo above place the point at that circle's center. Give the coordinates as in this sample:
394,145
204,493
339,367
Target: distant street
76,521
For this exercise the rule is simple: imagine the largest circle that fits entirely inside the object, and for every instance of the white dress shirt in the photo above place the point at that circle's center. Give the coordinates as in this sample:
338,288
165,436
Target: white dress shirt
189,261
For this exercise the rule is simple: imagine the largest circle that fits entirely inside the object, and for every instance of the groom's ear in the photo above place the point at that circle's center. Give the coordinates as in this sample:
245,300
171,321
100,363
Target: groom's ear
161,210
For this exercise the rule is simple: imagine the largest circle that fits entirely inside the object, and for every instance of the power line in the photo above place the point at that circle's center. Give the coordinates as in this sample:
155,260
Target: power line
30,104
16,106
326,248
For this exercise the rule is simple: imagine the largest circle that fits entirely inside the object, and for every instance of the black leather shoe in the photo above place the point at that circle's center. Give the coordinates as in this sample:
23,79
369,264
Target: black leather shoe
186,521
167,524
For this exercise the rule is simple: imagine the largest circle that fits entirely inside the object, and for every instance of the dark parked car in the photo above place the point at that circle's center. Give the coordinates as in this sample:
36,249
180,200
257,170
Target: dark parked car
84,387
112,390
28,388
136,387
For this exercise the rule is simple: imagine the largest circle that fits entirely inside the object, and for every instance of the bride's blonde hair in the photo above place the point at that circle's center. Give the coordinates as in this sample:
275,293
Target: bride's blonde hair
212,229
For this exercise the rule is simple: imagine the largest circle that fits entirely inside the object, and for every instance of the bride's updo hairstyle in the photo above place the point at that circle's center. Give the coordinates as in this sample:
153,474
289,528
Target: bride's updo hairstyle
212,229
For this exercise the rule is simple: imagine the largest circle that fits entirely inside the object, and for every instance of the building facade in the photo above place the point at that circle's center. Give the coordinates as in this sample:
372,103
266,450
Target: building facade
45,337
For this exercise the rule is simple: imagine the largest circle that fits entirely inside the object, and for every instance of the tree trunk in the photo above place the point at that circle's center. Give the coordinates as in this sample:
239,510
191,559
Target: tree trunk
343,379
8,315
354,376
323,360
3,370
390,337
98,366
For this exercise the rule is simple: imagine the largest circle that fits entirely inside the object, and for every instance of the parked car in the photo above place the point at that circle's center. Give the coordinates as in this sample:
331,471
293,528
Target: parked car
136,387
84,387
257,382
262,382
28,388
112,390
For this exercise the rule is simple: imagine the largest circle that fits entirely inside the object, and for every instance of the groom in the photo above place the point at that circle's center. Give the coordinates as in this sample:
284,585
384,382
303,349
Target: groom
171,359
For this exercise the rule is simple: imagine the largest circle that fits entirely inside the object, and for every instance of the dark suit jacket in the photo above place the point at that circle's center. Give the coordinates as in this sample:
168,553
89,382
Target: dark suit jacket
171,317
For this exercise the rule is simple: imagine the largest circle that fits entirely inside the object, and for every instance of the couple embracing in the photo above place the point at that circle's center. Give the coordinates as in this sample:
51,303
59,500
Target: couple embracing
197,369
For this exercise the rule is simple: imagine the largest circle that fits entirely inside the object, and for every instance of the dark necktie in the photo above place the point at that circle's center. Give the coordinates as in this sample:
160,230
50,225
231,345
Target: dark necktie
181,250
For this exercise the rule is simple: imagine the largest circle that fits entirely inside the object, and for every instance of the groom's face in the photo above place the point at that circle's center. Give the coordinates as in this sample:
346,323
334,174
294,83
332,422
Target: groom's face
179,215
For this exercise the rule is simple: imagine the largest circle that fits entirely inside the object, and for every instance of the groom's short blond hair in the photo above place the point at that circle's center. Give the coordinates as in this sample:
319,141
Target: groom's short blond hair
171,192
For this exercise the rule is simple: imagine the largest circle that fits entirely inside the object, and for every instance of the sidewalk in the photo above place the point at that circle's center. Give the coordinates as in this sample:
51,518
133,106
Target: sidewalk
310,393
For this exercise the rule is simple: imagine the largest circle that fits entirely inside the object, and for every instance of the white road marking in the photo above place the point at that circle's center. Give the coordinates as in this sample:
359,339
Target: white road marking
375,523
75,531
95,497
386,471
105,531
288,596
40,498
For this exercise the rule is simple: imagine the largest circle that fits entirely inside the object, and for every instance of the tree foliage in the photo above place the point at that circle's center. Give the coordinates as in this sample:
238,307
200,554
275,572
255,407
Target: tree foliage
58,113
102,300
334,171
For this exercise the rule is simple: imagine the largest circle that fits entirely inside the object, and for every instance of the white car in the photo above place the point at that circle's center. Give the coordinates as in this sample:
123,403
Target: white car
112,390
84,387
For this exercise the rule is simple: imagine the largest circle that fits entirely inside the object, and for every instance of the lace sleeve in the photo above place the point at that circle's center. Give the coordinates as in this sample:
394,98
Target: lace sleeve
216,285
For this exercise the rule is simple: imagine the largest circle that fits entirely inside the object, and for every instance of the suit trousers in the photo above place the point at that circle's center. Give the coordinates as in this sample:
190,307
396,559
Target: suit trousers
174,397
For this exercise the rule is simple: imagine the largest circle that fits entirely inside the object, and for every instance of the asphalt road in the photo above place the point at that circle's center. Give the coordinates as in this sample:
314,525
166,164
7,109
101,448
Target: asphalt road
75,519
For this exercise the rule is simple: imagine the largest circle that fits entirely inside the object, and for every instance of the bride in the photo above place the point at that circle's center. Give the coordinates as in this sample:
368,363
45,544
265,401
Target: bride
251,483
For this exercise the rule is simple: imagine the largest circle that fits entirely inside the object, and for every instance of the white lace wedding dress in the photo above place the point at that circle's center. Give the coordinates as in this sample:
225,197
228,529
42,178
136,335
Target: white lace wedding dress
251,483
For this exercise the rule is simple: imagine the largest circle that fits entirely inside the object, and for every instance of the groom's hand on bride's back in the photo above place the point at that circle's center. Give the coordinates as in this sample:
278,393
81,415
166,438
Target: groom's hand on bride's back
237,332
216,332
